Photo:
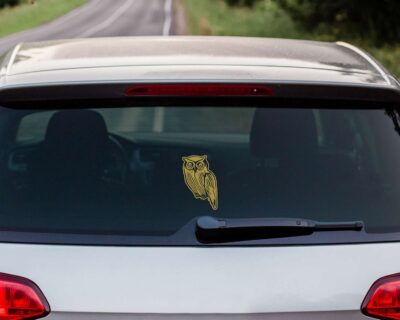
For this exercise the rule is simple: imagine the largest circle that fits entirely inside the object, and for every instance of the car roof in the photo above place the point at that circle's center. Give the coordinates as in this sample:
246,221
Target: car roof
196,59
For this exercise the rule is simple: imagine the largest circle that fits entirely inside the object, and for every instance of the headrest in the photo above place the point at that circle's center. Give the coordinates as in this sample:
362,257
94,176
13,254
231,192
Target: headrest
84,128
338,130
283,133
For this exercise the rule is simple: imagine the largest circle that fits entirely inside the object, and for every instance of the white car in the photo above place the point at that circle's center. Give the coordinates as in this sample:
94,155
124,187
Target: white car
198,179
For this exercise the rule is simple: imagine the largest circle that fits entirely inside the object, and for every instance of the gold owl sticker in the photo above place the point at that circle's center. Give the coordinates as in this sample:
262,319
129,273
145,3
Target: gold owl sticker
200,179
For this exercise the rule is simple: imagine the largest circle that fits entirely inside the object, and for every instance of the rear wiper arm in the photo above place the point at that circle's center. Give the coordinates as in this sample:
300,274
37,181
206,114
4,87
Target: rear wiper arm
214,230
394,113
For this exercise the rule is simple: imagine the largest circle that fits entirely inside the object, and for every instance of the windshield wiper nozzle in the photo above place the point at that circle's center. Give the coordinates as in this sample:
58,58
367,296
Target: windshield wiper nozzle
214,230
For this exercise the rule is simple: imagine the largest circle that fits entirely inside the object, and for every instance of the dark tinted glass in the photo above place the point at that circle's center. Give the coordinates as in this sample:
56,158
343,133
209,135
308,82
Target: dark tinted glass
151,170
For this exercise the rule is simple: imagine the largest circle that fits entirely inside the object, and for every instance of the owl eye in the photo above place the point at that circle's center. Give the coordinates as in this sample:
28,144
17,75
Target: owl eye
200,165
189,165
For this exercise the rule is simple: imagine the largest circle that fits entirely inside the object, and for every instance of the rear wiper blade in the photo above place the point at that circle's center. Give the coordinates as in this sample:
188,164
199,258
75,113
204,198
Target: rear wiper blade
214,230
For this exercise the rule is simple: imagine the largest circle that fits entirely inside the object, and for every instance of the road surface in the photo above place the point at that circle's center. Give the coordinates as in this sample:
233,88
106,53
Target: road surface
106,18
102,18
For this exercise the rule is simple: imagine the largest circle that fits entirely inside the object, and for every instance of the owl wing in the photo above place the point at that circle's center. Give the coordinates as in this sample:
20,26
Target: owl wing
210,185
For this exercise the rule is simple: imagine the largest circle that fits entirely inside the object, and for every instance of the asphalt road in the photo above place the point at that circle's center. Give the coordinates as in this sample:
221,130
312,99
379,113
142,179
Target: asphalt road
102,18
107,18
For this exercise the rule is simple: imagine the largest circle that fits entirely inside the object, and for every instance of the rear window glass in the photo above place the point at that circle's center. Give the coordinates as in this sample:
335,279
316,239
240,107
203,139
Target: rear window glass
151,170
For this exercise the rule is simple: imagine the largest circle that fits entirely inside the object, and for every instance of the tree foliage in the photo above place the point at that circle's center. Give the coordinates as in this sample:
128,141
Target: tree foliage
247,3
378,20
4,3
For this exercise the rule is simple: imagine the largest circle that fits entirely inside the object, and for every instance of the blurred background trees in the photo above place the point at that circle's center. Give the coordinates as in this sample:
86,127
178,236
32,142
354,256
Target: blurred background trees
377,20
10,3
248,3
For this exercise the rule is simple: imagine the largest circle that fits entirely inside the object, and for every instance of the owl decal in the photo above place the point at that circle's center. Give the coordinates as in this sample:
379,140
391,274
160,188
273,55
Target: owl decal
200,179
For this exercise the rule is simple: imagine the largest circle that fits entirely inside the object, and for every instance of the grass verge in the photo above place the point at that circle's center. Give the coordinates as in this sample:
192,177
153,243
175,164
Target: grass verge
214,17
26,15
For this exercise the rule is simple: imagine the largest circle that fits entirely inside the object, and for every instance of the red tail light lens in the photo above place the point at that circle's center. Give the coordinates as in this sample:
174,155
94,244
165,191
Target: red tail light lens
199,90
383,299
21,299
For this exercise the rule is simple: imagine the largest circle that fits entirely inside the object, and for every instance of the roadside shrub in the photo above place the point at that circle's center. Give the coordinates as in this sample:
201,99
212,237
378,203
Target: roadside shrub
377,20
10,3
247,3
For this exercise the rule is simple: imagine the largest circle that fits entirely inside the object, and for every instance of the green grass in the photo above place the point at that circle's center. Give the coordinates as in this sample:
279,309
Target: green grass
214,17
26,16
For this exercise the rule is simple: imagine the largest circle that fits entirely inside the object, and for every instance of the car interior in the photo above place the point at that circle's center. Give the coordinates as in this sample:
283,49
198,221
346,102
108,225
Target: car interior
82,176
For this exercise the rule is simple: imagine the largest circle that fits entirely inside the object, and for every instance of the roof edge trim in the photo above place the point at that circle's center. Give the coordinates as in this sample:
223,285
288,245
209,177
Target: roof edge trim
366,57
12,58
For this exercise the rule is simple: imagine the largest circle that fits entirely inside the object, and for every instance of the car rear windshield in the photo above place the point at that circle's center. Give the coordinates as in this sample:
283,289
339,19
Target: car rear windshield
149,171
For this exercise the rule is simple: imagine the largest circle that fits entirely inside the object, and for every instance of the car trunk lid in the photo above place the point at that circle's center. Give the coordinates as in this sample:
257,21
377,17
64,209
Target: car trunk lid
288,282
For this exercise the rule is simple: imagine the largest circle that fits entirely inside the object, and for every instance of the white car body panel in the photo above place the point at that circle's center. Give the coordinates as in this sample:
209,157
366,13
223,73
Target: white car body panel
311,282
348,315
188,280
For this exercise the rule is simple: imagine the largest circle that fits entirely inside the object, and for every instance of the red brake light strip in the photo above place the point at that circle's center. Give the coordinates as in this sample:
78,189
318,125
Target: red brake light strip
199,90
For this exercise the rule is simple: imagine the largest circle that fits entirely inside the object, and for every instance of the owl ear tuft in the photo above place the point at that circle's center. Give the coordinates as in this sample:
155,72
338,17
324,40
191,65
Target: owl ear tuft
184,159
205,157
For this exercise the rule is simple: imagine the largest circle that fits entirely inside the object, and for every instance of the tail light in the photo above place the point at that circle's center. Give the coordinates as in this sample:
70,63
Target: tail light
199,90
383,299
21,299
